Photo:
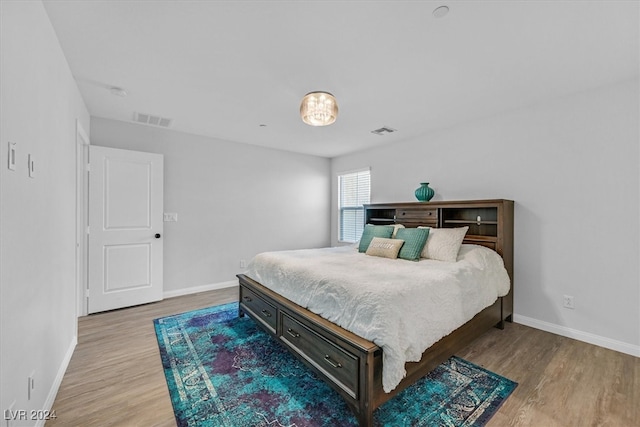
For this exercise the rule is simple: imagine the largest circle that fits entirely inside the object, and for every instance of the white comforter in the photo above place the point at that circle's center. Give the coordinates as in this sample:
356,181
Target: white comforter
402,306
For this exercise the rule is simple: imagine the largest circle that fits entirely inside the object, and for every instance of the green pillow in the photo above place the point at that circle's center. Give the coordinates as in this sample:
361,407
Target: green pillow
414,241
371,231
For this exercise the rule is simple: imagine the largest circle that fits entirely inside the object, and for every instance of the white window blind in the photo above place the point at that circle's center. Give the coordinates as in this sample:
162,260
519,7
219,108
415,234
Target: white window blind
354,191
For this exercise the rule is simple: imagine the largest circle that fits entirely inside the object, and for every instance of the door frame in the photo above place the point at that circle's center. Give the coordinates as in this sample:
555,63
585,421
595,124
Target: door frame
82,190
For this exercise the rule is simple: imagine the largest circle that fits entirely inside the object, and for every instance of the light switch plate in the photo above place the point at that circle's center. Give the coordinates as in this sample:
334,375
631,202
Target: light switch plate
12,156
170,217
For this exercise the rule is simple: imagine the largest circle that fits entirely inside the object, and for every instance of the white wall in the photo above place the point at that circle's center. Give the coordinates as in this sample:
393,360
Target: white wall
233,200
572,166
39,106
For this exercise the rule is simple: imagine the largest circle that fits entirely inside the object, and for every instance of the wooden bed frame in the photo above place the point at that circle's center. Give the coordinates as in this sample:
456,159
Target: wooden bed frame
352,365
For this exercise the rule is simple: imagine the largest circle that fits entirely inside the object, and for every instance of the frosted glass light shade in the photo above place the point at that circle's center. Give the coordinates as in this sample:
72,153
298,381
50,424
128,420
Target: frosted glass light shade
319,109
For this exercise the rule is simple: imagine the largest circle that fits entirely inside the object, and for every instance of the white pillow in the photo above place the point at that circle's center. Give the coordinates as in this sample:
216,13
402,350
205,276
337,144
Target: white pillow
443,244
396,227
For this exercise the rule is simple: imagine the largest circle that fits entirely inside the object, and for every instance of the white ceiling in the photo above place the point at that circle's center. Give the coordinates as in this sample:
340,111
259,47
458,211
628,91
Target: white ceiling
223,68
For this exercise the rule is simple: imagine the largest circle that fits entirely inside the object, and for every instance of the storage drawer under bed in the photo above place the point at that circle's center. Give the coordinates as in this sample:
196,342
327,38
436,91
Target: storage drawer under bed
338,364
261,310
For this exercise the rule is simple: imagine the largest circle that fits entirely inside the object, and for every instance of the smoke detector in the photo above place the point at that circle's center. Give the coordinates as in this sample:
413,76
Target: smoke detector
118,91
440,12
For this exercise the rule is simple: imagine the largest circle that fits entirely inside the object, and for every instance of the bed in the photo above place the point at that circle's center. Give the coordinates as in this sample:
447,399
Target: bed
313,304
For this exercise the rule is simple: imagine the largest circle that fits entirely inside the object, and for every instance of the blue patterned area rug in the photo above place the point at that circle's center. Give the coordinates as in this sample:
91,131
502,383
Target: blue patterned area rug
223,370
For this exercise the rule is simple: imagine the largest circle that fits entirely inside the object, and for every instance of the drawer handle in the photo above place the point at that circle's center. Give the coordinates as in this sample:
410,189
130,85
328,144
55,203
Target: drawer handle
328,359
293,333
247,299
266,313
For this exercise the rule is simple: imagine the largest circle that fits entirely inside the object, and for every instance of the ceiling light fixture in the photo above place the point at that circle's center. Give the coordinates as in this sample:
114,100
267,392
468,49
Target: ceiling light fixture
319,109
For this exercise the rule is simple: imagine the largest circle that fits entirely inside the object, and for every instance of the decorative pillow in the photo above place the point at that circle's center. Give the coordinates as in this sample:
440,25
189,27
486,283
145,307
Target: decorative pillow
386,248
443,244
414,240
371,231
396,227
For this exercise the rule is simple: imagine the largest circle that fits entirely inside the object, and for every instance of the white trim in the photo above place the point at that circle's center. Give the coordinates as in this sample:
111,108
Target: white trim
82,142
197,289
622,347
368,168
53,391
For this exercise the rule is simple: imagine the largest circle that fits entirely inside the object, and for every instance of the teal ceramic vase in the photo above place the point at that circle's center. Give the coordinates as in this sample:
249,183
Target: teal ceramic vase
424,193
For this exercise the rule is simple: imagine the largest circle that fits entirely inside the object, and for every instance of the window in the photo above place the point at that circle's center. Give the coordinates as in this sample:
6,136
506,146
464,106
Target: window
354,189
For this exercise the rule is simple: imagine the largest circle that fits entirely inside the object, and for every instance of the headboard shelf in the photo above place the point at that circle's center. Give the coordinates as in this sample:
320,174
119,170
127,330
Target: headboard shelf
490,222
385,220
465,221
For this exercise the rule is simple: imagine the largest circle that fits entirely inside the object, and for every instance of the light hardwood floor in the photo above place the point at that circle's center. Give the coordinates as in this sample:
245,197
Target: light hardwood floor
115,376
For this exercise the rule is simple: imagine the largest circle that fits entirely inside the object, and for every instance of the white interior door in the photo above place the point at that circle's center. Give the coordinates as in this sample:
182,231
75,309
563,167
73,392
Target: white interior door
125,228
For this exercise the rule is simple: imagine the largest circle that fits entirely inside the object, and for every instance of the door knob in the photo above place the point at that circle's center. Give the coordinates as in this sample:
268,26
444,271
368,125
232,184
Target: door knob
158,235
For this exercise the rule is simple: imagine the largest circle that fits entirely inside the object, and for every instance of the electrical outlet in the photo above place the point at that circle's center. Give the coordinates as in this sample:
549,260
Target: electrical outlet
31,384
31,163
567,302
243,263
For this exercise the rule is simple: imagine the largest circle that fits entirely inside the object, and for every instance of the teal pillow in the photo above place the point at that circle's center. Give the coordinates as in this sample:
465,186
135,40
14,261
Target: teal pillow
414,241
371,231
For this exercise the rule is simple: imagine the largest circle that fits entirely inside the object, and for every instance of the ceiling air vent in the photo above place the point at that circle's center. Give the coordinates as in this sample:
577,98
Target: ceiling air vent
152,120
383,131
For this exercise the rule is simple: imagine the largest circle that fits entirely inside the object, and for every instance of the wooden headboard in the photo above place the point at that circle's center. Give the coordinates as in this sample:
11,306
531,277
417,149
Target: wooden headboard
490,224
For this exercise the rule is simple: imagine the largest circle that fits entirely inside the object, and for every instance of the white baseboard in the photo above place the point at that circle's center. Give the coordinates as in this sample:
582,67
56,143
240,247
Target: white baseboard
622,347
197,289
53,392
